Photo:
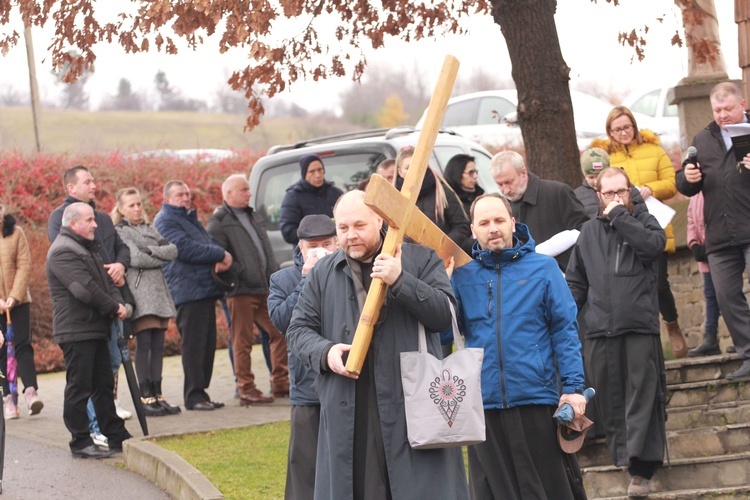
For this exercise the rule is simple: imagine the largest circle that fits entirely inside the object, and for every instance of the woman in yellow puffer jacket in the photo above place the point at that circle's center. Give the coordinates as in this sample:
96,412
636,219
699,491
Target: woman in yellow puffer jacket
647,164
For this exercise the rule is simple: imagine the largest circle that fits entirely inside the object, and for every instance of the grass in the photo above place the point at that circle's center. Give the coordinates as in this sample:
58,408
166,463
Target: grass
72,131
248,462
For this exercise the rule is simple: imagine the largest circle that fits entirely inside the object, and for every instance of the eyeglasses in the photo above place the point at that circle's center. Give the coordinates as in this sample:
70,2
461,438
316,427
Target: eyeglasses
622,193
620,130
472,172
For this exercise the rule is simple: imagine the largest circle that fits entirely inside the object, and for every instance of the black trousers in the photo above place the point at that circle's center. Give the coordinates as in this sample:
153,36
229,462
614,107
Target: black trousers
19,315
303,447
89,375
196,322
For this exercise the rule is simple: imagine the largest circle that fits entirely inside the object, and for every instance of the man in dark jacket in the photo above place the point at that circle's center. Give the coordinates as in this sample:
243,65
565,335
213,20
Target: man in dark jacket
546,207
310,195
363,450
193,290
612,271
240,231
514,303
80,187
84,302
317,238
725,184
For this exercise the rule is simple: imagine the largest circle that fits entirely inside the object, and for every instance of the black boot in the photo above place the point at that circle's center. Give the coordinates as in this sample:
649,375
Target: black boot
150,405
709,347
168,408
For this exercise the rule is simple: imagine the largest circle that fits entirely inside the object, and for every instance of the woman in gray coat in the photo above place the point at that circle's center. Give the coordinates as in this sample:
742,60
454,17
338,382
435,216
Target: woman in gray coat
149,251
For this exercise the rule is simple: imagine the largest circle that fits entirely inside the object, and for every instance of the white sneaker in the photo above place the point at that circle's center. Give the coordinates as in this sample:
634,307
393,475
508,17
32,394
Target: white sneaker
122,412
100,440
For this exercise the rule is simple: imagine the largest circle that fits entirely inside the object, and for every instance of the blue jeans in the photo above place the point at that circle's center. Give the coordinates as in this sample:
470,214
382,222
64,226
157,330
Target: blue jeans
115,356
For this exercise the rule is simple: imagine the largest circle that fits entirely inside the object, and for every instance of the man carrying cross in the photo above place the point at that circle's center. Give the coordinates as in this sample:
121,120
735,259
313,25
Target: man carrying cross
363,451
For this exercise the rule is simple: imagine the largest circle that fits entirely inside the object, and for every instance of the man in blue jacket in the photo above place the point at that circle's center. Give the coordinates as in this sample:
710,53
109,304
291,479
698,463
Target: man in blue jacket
317,238
193,290
515,304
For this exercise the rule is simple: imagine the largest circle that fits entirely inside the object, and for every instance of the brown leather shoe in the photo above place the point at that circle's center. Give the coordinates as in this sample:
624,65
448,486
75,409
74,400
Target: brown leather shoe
255,396
679,346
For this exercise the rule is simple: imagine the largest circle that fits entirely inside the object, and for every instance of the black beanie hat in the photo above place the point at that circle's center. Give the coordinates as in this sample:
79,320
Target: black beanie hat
305,162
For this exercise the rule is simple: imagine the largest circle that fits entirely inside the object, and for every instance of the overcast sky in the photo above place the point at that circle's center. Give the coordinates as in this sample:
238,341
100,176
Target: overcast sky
587,32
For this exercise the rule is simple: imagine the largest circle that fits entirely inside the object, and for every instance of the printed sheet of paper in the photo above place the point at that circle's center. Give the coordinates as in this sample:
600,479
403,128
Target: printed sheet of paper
662,212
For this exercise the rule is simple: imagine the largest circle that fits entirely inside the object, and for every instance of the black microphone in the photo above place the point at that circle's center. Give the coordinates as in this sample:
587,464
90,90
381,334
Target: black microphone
692,157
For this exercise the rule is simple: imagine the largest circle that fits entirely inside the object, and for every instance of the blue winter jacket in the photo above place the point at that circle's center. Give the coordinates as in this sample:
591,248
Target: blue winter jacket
535,337
189,275
286,285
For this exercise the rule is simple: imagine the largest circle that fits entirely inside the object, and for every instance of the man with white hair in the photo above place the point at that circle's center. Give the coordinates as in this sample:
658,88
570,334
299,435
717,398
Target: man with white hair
240,231
546,207
84,302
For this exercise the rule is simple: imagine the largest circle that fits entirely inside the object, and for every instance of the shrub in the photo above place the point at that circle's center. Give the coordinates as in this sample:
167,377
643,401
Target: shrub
32,188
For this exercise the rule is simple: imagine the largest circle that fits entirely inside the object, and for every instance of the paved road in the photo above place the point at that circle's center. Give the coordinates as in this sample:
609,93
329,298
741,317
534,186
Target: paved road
37,452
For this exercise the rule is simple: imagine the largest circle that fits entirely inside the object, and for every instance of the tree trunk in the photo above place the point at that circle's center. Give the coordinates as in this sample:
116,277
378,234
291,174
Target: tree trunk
545,112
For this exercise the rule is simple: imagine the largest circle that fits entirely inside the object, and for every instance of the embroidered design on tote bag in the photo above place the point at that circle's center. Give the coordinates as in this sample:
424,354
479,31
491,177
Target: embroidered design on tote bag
448,392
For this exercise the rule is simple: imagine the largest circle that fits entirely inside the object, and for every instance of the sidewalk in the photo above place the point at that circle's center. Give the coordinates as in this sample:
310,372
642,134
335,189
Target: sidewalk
48,429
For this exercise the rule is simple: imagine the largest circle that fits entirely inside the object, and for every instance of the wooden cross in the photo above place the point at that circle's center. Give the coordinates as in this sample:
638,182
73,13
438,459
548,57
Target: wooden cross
399,210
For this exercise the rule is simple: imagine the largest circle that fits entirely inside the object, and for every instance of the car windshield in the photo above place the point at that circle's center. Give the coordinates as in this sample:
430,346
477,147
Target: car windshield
345,170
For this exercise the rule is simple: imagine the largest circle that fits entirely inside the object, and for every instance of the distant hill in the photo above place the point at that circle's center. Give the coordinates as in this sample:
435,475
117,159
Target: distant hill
70,131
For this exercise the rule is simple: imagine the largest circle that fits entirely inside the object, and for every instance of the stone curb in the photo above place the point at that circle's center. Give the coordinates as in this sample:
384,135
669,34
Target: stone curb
168,470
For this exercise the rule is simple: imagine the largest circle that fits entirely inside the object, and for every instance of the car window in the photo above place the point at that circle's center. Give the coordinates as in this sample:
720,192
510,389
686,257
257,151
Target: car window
483,165
670,109
492,109
442,154
647,104
460,113
345,171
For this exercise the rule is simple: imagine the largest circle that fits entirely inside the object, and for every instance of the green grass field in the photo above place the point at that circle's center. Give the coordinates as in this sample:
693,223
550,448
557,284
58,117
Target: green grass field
242,463
70,131
248,462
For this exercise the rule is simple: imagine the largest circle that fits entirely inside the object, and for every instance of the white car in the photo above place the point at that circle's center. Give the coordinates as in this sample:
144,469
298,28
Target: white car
490,118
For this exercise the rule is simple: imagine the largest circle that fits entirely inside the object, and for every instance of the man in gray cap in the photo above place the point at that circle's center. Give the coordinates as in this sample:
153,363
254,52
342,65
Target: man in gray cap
317,238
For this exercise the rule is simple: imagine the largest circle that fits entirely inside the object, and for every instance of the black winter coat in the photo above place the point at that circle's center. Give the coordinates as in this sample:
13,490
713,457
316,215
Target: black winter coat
547,208
726,191
84,298
229,233
612,271
111,247
301,199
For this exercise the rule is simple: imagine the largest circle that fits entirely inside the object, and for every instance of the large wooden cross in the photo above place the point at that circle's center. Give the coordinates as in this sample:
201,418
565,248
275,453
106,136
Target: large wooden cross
399,210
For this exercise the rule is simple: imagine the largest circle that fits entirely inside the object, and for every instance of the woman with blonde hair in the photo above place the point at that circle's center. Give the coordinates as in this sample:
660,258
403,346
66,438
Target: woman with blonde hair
639,153
15,272
436,199
149,251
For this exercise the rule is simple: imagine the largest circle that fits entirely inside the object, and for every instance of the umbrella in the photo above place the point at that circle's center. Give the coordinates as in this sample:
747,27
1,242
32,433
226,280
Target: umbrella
2,421
12,368
135,392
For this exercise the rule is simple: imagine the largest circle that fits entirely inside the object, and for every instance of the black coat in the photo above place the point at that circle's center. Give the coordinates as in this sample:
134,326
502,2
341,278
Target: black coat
84,298
590,201
612,270
547,208
111,247
227,230
301,199
726,191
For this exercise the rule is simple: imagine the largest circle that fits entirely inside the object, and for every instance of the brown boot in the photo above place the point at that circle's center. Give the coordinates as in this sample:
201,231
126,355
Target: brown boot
679,346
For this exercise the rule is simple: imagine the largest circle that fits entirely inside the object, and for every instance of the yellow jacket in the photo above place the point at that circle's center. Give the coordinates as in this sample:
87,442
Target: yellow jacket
646,164
15,265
